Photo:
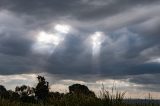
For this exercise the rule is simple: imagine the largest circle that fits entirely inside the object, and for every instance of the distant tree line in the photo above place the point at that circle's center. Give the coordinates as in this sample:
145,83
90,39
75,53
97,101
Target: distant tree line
41,92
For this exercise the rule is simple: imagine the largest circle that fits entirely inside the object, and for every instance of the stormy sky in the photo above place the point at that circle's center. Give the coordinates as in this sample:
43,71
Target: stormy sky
81,41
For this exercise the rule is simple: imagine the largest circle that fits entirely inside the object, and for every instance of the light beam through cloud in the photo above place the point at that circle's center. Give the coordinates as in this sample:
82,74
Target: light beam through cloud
47,42
96,39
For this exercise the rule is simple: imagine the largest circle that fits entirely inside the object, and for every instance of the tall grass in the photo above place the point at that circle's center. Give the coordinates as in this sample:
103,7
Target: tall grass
113,97
107,98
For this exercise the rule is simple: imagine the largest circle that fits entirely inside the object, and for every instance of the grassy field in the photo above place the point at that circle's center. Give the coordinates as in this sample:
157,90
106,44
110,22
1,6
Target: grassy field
106,99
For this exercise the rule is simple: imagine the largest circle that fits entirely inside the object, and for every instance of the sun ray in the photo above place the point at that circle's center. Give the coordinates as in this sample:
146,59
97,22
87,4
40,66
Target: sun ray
47,42
96,41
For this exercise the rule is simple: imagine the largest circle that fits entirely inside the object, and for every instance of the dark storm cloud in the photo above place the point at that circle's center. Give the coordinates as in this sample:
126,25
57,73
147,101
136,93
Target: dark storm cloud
149,27
146,79
80,8
131,29
110,7
74,57
16,45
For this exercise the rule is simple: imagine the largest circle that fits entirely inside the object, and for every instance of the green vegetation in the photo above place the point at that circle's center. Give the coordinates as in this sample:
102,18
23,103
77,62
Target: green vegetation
79,95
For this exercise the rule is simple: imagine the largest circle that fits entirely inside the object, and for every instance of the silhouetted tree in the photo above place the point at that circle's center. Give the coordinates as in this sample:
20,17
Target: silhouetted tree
13,95
26,93
42,88
3,92
2,89
56,95
23,90
80,89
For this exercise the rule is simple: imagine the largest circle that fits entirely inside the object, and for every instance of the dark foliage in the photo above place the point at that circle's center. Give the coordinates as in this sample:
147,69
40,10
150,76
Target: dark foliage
26,93
79,95
56,95
80,89
13,95
3,92
42,88
2,89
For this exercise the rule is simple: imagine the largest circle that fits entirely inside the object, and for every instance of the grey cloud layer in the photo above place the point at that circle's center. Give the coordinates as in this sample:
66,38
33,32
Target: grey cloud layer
131,29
